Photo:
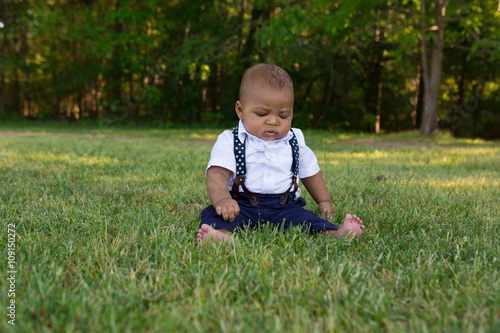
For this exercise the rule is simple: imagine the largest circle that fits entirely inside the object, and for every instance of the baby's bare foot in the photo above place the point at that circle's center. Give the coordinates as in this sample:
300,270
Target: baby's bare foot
206,232
352,227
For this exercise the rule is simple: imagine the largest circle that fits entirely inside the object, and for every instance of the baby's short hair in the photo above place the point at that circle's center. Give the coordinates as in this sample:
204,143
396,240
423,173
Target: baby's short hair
271,75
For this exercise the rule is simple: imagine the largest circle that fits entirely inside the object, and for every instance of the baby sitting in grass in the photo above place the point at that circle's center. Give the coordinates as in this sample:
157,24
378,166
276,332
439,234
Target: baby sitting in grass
253,172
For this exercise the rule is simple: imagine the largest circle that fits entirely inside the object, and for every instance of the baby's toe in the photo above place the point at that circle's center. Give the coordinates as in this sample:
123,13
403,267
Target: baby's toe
205,228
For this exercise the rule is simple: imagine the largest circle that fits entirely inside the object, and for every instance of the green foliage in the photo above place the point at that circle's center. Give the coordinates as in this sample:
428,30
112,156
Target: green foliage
181,61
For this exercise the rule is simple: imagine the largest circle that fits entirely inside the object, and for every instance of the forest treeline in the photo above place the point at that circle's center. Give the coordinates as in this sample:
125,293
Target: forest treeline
369,65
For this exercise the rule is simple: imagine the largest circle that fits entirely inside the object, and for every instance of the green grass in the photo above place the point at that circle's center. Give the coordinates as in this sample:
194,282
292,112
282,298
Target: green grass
106,222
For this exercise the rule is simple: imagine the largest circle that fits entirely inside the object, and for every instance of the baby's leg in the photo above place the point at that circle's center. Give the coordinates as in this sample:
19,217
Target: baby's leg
206,232
352,227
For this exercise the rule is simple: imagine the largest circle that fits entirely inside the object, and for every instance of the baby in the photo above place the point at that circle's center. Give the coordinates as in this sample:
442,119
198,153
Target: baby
253,172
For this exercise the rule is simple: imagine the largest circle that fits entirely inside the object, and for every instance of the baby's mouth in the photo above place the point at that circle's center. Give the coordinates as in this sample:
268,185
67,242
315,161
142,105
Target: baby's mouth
270,133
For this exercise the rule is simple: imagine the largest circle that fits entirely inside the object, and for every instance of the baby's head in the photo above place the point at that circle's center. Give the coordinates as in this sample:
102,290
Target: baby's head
266,100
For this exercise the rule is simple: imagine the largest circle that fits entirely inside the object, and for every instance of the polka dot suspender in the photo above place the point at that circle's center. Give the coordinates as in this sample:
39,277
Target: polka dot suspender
239,154
295,151
241,170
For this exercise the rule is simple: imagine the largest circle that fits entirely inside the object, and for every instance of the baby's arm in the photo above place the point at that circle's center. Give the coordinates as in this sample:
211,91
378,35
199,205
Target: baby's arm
218,193
316,187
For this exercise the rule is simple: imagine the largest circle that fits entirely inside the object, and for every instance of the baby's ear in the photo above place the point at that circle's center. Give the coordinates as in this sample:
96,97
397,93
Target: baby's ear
239,109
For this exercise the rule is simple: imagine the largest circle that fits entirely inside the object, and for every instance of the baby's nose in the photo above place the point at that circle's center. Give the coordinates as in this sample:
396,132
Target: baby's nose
272,120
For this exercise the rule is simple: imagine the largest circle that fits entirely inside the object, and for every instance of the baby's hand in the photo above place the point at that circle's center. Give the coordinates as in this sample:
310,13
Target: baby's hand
228,208
325,209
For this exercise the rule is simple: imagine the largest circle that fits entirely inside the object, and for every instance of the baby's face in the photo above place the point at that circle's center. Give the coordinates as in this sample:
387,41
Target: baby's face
266,113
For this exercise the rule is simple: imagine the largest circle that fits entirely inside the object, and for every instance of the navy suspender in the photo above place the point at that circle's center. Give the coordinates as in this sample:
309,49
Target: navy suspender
241,170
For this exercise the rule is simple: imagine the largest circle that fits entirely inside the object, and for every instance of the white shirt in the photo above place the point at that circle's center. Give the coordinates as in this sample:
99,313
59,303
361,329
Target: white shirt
268,163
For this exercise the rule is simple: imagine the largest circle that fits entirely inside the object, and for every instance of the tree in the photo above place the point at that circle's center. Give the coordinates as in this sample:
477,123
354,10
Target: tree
4,26
432,74
356,65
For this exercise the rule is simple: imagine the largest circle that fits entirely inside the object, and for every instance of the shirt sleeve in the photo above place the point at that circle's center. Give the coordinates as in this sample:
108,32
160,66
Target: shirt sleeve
222,154
308,163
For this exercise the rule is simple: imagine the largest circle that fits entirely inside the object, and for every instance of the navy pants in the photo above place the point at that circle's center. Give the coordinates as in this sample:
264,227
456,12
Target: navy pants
270,211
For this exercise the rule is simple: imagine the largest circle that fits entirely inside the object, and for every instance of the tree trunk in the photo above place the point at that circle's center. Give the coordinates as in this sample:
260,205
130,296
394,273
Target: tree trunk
475,121
373,87
417,120
379,64
259,16
2,93
213,88
96,112
17,98
378,107
117,73
26,67
460,103
2,54
432,75
241,17
327,96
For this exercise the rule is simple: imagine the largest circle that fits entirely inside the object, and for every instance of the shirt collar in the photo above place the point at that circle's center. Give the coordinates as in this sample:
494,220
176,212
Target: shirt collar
243,133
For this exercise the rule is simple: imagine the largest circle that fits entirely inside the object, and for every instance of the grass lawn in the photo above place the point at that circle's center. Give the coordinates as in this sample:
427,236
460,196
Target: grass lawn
106,220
